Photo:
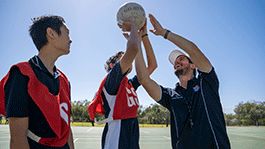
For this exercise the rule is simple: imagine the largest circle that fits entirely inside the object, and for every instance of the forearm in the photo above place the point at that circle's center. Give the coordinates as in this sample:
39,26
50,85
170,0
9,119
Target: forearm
19,142
133,40
18,133
183,43
131,50
151,87
151,60
197,57
71,140
141,70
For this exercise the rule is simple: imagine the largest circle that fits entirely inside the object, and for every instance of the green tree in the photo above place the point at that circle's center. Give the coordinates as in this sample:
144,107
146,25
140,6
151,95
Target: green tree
250,113
79,110
229,119
154,114
256,112
239,112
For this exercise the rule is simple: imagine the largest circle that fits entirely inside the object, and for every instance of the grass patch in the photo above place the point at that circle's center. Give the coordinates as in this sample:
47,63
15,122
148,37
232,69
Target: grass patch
3,121
85,124
88,124
153,125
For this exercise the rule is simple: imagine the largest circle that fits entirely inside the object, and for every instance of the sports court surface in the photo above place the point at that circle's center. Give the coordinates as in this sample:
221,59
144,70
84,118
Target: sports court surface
154,138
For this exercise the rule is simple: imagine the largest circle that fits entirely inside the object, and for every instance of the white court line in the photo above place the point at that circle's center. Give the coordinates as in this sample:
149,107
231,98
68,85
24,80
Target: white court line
89,129
246,135
75,140
144,131
166,137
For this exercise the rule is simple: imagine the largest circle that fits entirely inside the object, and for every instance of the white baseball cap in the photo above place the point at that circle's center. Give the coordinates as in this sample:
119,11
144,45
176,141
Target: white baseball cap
174,54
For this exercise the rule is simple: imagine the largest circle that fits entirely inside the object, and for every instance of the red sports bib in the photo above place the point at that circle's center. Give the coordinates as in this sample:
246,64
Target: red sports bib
56,109
126,103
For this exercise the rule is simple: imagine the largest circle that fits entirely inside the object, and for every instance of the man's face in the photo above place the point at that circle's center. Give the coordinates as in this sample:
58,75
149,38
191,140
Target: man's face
182,65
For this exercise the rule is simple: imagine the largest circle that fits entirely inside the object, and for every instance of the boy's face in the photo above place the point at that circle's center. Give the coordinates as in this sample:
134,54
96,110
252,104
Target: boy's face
63,40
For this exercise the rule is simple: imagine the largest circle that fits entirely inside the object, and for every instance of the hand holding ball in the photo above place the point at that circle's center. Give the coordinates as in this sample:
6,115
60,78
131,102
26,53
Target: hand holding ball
131,12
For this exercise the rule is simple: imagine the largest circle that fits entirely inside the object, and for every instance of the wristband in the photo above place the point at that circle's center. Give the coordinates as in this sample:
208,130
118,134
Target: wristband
144,35
166,34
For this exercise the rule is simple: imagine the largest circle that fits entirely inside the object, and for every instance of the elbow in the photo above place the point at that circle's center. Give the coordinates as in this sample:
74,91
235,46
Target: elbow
194,48
152,68
155,66
143,81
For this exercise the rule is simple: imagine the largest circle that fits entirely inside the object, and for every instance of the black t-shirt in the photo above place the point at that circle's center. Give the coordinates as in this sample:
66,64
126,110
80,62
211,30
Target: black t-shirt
18,102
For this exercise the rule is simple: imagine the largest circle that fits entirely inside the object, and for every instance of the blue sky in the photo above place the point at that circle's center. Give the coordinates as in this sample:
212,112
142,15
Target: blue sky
230,33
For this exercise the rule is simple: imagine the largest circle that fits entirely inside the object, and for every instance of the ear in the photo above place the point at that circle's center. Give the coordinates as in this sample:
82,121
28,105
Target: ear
50,33
192,66
111,65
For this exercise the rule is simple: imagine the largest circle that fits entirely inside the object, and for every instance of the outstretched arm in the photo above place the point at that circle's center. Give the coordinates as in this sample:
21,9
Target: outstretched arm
151,87
197,57
143,72
151,60
132,46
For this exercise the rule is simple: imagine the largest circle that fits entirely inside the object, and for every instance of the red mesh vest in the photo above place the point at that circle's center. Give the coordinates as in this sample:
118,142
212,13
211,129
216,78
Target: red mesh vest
126,103
56,109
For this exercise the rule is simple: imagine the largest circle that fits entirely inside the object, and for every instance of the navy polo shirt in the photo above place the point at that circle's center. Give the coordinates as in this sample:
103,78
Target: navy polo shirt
18,102
197,119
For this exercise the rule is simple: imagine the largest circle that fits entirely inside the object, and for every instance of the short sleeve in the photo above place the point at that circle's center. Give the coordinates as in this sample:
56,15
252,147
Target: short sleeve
164,101
16,94
135,82
210,78
114,79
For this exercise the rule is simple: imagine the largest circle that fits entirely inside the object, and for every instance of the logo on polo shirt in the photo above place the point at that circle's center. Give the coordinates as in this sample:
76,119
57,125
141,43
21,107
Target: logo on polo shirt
196,88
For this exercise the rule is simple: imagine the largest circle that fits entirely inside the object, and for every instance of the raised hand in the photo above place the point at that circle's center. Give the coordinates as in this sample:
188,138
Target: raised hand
125,26
126,35
158,29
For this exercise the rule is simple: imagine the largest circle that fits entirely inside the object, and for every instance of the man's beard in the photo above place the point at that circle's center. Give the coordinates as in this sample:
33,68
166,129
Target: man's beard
183,71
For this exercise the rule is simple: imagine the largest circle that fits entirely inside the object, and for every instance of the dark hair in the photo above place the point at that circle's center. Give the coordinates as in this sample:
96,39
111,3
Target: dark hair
194,70
113,60
39,27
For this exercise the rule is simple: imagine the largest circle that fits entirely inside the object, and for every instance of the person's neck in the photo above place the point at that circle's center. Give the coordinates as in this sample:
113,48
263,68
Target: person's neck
183,80
48,58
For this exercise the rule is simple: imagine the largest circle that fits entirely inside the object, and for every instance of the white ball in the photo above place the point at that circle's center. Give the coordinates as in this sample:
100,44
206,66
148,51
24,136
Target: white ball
133,12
